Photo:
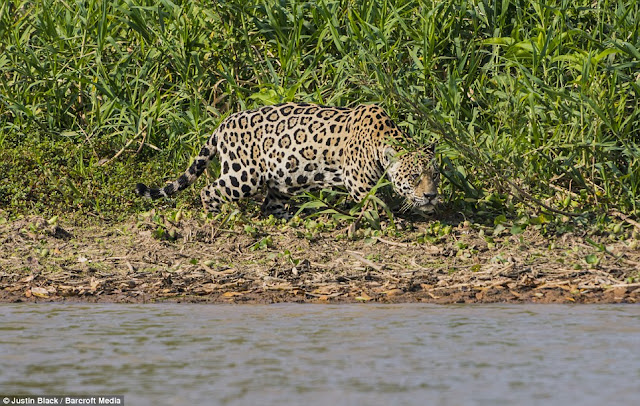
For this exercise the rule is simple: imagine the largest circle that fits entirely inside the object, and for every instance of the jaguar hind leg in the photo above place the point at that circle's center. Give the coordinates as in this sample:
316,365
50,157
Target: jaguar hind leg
212,197
276,203
226,188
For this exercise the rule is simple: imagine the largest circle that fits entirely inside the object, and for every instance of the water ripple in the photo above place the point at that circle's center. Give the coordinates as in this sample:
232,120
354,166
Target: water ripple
312,354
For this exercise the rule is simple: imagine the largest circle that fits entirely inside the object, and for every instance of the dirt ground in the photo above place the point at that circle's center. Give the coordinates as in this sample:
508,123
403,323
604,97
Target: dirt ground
204,262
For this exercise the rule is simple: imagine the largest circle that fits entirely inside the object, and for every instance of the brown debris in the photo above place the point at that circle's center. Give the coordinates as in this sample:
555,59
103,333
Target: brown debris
126,263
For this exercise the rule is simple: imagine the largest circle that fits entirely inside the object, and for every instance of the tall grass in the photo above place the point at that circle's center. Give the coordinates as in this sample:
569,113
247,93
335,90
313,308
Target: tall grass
539,100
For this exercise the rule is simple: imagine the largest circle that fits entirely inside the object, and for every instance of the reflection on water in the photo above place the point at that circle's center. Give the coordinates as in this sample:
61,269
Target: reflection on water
316,354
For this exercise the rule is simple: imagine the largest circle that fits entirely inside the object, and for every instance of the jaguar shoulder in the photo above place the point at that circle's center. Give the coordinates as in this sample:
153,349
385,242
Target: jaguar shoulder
294,147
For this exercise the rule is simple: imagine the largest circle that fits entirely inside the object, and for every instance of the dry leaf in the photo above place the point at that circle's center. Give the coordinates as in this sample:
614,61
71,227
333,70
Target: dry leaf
363,297
27,279
39,292
323,290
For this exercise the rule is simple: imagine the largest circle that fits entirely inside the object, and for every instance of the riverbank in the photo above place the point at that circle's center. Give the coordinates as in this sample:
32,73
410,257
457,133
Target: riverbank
158,259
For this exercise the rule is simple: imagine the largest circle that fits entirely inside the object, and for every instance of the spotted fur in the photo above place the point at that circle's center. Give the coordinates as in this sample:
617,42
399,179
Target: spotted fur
295,147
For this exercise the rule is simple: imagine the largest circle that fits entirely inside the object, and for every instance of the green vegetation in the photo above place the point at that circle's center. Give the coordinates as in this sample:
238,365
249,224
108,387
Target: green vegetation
534,104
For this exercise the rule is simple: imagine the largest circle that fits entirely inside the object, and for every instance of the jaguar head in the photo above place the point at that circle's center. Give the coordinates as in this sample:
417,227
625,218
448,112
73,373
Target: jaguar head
415,176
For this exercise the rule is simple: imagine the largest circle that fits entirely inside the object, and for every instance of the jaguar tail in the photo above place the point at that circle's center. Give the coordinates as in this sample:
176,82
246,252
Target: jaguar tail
188,177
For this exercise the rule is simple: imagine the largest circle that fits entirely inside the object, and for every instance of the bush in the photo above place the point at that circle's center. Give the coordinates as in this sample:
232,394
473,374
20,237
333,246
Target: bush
537,100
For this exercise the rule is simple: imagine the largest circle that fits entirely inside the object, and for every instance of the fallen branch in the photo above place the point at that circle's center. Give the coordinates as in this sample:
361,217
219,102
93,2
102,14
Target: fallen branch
626,218
365,261
397,244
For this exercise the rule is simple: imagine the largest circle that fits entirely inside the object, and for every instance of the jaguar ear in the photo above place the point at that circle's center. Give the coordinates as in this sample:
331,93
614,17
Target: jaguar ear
431,148
390,154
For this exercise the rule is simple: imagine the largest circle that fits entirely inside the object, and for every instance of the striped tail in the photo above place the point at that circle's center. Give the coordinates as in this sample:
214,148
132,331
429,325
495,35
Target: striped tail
188,177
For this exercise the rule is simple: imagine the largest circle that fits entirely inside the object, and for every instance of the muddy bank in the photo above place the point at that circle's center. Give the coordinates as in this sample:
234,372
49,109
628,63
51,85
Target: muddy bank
193,260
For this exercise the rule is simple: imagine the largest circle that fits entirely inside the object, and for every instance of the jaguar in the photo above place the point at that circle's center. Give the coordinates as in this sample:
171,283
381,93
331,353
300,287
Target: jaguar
282,150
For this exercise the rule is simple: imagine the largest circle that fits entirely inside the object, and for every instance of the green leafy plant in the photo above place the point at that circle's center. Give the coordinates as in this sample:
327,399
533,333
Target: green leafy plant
533,104
327,202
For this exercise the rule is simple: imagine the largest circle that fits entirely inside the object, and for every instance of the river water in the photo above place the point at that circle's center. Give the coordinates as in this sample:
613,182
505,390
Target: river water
179,354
